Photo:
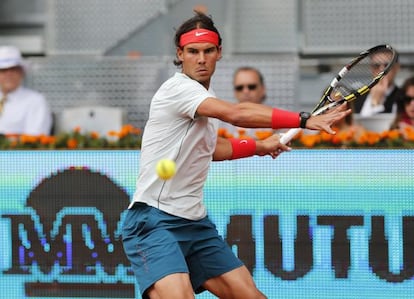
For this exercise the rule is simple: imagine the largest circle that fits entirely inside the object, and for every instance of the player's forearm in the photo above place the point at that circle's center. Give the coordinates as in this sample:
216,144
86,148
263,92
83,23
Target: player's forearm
250,115
223,150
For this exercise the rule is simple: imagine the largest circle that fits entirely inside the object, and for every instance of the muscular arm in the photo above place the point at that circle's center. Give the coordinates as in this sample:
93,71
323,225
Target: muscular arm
252,115
246,114
223,149
269,146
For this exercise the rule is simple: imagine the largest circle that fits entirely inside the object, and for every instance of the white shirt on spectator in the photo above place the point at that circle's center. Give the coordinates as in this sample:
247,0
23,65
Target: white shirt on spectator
368,109
25,112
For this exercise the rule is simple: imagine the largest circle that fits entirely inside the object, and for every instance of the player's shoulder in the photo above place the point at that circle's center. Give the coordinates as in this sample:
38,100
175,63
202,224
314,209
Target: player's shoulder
180,84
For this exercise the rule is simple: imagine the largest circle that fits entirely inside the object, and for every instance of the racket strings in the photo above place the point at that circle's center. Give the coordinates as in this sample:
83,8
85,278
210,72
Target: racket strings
363,74
358,77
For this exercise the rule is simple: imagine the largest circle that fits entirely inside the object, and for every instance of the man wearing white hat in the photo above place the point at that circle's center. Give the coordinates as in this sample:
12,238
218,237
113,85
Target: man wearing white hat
22,110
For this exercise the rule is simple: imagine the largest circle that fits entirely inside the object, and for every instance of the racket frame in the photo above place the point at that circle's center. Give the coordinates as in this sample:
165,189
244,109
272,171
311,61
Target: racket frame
322,106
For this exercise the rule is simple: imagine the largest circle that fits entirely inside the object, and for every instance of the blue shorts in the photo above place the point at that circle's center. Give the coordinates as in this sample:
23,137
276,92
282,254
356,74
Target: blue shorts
158,244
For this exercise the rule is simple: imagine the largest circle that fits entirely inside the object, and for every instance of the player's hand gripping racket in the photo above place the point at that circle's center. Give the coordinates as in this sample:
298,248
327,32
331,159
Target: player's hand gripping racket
354,80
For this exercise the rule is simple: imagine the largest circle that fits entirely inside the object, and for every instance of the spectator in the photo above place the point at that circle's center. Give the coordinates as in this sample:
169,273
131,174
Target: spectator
248,86
384,96
22,110
405,113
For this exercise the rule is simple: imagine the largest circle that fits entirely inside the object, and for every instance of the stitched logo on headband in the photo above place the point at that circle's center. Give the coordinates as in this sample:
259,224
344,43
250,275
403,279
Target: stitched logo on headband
200,33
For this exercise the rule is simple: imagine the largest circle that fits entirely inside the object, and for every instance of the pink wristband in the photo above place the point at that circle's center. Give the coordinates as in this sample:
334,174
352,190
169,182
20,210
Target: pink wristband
284,119
242,148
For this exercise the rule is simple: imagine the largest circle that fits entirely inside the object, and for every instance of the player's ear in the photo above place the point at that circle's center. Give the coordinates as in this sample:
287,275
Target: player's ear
180,53
219,49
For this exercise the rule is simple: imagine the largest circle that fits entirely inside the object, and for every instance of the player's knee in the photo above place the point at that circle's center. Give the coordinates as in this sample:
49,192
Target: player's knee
173,293
173,286
255,294
242,293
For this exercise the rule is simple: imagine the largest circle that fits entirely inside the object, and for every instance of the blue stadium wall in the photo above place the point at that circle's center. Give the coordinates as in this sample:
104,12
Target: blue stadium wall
310,224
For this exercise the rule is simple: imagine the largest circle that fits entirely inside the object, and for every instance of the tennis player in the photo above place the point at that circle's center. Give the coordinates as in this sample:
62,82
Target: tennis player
174,248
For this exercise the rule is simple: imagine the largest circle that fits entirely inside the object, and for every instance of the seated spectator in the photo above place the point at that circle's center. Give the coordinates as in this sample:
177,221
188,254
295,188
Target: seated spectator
22,110
384,96
405,113
248,86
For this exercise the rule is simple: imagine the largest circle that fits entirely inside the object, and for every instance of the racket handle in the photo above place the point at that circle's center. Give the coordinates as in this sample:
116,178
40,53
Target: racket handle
286,137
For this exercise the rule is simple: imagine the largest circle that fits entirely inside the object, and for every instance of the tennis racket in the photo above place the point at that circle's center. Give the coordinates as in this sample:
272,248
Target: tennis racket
353,80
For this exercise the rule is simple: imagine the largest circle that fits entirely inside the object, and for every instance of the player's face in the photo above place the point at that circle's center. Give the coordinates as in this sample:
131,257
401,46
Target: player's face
10,79
199,61
247,87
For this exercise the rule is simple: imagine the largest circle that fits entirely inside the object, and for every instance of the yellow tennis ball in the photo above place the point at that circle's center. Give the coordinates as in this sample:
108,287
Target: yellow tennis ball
165,169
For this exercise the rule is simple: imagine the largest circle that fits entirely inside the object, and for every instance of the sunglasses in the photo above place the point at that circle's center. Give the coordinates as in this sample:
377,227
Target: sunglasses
408,100
249,87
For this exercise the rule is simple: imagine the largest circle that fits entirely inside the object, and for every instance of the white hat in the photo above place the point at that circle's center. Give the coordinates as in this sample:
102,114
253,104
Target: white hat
10,57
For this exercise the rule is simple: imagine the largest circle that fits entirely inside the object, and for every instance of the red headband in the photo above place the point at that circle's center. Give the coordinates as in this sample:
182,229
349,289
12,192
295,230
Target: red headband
199,36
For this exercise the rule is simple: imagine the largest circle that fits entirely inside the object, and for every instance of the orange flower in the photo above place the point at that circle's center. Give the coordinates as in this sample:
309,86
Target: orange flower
125,130
392,134
24,139
261,135
299,135
72,143
136,131
12,135
221,132
13,143
375,138
409,133
341,137
242,132
46,140
113,134
245,136
362,139
77,129
326,137
94,135
369,138
309,140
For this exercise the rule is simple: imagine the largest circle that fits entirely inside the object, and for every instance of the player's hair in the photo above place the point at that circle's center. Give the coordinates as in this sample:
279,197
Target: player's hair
200,20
